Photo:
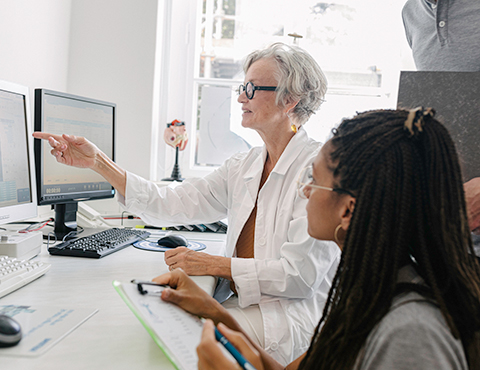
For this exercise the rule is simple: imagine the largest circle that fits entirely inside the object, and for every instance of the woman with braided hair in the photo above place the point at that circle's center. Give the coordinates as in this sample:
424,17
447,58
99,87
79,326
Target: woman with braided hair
407,291
388,189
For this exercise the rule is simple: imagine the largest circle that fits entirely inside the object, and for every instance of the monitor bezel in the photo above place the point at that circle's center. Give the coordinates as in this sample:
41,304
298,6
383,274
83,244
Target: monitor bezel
38,149
20,212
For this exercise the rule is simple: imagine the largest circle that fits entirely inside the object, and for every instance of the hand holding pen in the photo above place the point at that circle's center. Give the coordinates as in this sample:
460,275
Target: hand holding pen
233,351
211,356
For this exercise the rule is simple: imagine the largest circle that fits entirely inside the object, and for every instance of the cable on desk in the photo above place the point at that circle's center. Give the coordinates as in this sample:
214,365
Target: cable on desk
73,233
146,238
48,238
35,226
130,217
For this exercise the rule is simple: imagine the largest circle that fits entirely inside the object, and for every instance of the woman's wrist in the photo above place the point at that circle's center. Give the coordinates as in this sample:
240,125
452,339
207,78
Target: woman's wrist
102,163
221,267
219,314
113,173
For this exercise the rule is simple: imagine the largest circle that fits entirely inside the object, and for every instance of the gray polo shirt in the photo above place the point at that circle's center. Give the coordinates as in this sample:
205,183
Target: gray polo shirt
444,36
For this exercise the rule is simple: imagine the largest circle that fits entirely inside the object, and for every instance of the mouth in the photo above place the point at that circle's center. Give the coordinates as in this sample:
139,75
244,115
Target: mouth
246,111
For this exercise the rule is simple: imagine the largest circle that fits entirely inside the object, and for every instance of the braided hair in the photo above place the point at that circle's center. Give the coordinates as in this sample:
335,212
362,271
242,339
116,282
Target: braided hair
410,209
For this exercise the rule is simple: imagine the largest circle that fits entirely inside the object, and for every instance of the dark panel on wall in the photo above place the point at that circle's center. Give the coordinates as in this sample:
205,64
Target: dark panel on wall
455,96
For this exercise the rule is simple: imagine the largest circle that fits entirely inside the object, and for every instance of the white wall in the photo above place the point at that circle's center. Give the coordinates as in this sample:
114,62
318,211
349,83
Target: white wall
105,49
113,50
34,42
112,58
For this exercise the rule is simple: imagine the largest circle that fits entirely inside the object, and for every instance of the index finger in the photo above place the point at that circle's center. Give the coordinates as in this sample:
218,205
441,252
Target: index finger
45,135
242,344
171,278
210,355
208,332
163,279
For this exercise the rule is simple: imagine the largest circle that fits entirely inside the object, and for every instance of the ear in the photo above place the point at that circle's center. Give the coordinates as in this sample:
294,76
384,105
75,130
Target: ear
290,105
347,211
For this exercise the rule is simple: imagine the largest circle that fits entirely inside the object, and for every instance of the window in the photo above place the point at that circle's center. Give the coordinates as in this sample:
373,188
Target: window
360,46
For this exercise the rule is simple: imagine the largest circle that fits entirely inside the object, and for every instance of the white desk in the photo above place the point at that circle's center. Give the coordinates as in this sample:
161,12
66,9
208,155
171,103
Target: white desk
113,338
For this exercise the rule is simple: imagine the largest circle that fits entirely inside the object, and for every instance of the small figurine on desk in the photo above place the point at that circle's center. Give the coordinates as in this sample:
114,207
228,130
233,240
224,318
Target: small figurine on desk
176,136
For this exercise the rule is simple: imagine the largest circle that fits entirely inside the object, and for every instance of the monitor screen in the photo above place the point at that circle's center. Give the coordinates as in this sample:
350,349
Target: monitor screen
18,199
61,185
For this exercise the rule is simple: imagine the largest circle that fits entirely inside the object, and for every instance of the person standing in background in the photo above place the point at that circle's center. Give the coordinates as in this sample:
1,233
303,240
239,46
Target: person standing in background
444,35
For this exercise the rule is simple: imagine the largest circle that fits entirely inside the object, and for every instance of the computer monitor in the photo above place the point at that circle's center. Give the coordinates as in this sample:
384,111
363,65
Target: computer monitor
18,198
64,186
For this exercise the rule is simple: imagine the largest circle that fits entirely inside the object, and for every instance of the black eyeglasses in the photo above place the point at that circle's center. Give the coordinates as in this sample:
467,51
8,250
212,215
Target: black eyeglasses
250,88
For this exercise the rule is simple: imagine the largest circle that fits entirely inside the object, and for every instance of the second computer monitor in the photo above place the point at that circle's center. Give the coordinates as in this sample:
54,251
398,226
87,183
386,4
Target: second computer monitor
18,199
64,186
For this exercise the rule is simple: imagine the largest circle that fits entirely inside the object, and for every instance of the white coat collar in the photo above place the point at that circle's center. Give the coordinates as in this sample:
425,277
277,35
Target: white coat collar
289,155
292,151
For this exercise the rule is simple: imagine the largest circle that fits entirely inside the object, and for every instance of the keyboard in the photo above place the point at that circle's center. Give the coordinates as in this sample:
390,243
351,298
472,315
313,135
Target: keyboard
100,244
16,273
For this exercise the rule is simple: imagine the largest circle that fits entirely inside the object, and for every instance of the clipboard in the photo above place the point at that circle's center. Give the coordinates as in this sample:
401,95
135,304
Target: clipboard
175,331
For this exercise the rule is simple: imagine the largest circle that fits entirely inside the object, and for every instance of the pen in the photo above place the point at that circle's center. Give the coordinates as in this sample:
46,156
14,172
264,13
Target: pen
233,351
143,291
135,281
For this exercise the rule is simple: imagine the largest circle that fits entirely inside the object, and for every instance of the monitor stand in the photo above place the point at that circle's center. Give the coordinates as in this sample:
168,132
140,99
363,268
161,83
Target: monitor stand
65,221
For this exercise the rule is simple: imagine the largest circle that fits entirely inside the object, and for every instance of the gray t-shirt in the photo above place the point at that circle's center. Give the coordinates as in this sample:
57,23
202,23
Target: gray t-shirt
444,36
413,335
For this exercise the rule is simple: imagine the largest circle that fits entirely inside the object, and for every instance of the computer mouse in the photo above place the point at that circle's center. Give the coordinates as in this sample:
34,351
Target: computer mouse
10,331
173,241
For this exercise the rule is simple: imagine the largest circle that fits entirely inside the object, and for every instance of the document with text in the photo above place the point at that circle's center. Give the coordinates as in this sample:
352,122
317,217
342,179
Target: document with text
43,327
176,332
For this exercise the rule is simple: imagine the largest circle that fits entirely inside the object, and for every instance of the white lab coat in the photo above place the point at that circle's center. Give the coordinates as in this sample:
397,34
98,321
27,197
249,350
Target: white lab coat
291,273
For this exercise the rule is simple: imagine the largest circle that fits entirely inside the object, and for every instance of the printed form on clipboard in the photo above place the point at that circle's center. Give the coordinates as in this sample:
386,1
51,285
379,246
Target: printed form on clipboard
176,332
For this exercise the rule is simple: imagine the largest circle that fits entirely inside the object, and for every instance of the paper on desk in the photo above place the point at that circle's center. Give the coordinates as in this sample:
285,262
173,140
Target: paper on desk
176,332
43,327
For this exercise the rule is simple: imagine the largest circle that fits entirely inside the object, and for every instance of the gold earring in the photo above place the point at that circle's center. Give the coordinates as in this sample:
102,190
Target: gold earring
335,235
293,127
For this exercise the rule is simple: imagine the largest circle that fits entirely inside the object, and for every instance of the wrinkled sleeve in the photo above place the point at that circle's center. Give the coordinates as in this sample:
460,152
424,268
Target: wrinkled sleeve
303,264
194,201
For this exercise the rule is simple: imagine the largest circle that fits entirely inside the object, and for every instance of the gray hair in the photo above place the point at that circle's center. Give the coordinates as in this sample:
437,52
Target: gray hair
299,77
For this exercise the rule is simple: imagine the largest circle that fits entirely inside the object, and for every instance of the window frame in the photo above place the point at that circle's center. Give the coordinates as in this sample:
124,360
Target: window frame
188,92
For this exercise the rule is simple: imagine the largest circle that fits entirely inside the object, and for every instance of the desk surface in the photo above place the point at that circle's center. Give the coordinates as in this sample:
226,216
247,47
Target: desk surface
113,338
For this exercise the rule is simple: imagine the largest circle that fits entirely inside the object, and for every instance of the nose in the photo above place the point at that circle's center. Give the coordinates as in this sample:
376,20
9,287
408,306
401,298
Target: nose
242,98
306,191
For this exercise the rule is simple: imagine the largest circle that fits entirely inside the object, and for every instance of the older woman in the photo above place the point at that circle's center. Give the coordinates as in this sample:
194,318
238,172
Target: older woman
280,276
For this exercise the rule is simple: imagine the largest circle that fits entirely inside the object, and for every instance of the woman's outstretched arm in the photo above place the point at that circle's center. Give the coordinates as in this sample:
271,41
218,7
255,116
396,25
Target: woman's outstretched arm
77,151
